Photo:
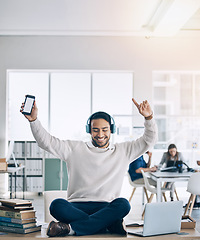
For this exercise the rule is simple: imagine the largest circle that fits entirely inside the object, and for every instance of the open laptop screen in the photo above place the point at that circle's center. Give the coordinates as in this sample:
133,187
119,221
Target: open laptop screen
172,163
161,218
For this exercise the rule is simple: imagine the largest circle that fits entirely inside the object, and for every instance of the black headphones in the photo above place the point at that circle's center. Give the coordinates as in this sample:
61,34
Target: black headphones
112,125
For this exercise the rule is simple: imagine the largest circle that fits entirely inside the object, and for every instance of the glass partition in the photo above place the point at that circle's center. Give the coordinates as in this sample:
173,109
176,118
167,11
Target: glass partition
177,112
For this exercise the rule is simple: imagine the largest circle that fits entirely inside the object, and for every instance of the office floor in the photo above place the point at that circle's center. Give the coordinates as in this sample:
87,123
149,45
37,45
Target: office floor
136,204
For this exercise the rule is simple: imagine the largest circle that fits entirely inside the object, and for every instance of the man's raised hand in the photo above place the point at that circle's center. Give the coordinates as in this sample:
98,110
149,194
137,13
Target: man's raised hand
34,112
143,108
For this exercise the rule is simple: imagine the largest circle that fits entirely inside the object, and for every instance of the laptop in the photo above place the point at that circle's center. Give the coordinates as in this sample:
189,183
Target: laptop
171,163
177,163
169,169
173,166
161,218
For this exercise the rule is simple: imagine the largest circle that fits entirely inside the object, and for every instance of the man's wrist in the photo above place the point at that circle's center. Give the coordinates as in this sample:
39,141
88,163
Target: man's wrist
149,117
32,120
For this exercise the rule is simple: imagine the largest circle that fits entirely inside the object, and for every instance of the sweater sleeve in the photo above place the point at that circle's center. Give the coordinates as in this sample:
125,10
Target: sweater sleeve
163,160
49,143
137,148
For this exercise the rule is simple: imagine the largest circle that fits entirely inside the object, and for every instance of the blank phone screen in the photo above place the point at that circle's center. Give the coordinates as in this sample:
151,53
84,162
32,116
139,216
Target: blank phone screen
28,105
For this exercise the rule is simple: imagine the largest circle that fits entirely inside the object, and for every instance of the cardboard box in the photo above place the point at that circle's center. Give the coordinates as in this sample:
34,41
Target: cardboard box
3,165
187,222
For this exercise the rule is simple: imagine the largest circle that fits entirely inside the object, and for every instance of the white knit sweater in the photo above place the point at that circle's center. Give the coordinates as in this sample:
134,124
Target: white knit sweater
95,174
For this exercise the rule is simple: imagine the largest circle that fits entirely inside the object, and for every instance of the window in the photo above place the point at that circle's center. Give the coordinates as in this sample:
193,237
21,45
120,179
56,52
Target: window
20,84
66,99
70,98
176,107
112,92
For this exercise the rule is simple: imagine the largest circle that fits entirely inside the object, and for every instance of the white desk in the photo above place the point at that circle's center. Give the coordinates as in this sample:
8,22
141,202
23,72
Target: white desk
160,177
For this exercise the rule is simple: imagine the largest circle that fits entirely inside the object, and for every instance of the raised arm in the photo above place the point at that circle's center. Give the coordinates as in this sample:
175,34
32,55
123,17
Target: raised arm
45,140
34,112
144,109
139,146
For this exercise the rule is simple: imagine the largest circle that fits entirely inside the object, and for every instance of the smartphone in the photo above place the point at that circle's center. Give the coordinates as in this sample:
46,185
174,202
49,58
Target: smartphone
28,104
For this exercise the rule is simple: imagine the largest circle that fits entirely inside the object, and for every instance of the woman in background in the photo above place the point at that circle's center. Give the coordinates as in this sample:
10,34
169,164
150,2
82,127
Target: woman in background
171,155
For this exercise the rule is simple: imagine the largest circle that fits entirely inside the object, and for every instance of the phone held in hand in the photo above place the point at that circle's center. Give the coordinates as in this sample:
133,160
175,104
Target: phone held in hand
28,104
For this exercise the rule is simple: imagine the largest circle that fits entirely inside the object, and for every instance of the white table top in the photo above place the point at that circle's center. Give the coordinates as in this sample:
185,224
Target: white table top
171,174
13,169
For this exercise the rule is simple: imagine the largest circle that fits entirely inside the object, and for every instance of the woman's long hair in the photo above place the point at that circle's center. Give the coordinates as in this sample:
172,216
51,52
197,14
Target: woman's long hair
168,154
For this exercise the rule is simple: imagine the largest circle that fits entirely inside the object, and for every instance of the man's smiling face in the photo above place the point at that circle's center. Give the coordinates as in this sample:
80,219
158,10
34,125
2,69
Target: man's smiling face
100,132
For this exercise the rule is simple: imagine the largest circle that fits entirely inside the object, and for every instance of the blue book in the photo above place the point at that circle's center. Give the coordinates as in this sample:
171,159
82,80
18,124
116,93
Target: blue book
18,225
15,220
20,230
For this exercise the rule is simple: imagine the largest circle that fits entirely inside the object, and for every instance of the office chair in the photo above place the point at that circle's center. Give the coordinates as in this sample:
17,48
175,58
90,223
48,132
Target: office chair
193,187
164,185
153,189
136,185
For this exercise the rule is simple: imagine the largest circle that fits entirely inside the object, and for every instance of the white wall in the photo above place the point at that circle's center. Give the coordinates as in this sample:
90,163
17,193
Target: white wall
99,53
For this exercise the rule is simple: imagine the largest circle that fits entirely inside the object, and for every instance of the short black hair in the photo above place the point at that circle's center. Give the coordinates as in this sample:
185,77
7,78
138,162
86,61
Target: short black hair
99,115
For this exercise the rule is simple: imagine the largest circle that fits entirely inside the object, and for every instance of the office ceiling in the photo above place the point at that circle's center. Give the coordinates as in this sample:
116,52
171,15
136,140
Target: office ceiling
100,17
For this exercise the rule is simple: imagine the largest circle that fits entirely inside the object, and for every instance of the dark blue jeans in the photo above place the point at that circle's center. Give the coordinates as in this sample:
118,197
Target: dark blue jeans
88,218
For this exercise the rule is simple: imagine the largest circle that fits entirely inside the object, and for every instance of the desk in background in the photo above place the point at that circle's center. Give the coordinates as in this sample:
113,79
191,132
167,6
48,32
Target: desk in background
160,177
13,171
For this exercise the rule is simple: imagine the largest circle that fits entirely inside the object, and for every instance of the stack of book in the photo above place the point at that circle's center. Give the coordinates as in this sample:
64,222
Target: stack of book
17,216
